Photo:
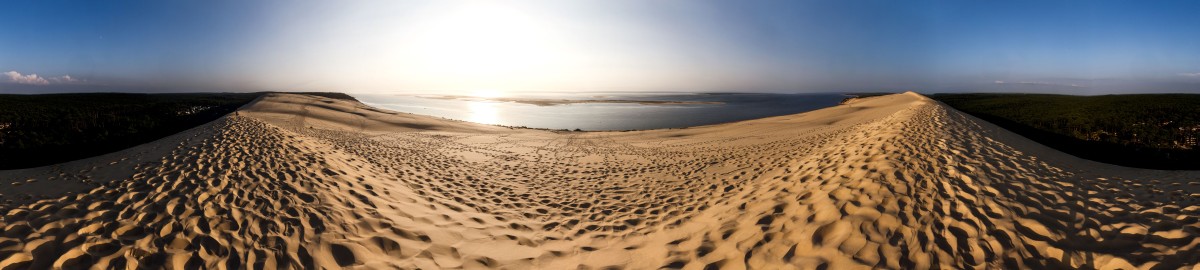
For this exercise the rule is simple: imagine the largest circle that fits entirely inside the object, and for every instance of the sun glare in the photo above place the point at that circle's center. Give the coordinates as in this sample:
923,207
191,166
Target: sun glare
483,44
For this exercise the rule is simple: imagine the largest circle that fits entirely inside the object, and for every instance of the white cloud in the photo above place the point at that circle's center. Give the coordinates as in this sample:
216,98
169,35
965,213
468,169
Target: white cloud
1193,75
16,77
34,79
64,79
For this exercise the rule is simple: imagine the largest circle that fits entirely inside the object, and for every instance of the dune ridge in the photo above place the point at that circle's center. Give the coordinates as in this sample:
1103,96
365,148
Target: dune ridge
898,181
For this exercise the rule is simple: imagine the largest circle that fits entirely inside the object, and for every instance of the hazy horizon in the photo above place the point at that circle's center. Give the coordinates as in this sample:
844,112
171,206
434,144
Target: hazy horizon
496,47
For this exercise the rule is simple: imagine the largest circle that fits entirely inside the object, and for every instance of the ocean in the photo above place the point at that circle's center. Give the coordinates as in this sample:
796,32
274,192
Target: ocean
605,111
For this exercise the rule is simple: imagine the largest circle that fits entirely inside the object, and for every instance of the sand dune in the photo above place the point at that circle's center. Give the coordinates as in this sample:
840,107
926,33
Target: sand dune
899,181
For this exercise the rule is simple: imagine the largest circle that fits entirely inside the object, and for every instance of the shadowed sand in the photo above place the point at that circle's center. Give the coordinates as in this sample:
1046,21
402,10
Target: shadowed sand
896,181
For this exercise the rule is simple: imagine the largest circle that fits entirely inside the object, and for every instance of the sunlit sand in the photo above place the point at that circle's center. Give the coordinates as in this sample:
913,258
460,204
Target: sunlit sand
898,181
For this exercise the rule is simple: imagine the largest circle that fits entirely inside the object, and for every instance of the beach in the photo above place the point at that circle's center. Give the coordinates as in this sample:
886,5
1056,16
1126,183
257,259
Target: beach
896,181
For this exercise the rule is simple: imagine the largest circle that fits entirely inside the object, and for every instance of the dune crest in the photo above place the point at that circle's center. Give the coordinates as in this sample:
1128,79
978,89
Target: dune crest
898,181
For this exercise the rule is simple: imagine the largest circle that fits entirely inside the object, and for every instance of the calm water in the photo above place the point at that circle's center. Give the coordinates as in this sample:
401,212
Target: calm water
608,116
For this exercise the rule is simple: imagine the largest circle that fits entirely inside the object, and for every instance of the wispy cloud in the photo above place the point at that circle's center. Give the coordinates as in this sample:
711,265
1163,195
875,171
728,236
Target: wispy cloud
64,79
1193,75
34,79
1041,84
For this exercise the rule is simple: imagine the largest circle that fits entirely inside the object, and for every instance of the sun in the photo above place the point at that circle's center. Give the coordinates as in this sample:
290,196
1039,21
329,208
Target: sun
484,42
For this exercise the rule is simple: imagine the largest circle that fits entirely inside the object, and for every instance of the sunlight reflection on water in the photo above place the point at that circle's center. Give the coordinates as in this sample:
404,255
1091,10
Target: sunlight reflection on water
609,116
483,112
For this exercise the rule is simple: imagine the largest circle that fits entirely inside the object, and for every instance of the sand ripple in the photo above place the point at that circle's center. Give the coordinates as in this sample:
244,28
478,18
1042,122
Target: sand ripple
898,182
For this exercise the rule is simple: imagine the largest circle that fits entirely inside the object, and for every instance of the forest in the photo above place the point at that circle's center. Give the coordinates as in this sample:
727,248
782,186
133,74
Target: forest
1156,131
38,130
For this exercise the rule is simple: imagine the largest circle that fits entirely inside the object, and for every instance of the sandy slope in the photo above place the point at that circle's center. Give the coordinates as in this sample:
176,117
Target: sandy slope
897,181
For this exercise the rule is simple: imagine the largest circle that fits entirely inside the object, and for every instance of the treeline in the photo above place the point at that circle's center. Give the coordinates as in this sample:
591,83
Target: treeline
333,95
38,130
1157,131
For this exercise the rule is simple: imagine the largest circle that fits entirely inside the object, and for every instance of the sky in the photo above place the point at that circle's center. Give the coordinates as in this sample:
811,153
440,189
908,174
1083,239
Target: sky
788,46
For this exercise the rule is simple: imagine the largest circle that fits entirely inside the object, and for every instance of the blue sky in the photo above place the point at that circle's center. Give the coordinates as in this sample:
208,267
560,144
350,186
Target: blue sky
1078,47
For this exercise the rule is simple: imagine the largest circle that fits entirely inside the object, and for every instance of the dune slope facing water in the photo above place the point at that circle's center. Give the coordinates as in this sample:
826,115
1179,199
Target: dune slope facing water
896,181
